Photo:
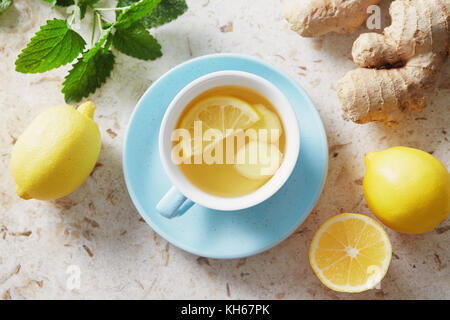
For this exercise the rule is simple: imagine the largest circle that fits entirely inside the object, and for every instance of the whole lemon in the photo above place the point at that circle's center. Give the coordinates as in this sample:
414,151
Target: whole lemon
407,189
56,153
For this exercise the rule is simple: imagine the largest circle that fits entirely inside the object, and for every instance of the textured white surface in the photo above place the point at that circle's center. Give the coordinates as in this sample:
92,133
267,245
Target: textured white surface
98,229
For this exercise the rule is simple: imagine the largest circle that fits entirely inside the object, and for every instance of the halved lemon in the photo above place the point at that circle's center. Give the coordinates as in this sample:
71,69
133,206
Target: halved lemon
350,253
223,114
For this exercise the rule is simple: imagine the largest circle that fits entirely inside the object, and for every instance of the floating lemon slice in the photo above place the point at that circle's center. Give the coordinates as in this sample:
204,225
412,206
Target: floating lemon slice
269,122
220,113
258,160
350,253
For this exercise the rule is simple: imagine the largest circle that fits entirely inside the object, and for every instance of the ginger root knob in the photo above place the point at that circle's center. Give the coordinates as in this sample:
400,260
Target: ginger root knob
313,18
399,69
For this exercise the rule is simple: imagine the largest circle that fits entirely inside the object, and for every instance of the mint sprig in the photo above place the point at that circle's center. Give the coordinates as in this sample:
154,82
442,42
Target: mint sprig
57,44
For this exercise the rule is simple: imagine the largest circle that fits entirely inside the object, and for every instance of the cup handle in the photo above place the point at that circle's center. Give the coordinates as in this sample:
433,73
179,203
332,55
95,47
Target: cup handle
173,204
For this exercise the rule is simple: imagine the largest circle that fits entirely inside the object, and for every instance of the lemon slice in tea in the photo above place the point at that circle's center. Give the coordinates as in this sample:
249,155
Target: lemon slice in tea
269,122
258,160
220,113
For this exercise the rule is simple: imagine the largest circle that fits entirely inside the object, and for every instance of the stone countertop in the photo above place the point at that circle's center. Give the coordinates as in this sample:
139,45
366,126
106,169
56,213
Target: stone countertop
97,231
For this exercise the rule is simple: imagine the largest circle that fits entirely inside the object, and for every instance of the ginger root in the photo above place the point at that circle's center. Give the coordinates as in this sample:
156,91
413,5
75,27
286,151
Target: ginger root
399,68
313,18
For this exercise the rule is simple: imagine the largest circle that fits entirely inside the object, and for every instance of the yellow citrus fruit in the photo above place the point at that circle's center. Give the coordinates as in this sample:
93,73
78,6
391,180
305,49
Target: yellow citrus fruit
221,113
350,253
407,189
56,153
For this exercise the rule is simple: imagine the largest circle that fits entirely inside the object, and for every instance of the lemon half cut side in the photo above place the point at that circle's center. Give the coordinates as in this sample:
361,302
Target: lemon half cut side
350,253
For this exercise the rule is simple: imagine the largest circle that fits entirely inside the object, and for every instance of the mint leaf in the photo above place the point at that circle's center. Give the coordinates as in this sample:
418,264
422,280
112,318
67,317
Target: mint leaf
165,12
4,4
87,75
88,2
63,3
53,45
84,4
135,12
137,42
83,9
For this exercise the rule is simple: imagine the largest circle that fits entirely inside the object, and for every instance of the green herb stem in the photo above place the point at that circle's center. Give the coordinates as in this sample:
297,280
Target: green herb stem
111,9
99,18
93,27
75,11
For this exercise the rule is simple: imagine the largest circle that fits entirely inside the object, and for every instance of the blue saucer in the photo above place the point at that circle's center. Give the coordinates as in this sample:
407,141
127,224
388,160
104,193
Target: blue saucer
220,234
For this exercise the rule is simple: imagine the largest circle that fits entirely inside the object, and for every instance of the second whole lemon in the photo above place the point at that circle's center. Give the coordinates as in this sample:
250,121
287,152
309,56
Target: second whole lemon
407,189
56,153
